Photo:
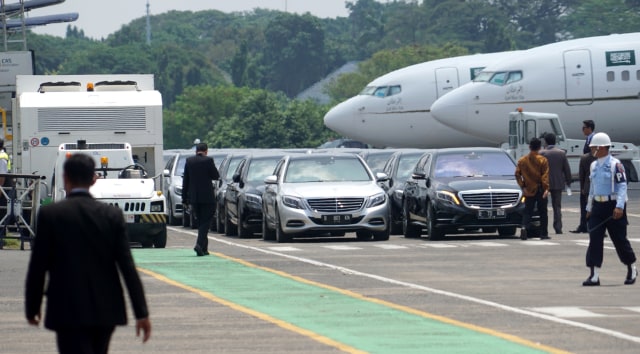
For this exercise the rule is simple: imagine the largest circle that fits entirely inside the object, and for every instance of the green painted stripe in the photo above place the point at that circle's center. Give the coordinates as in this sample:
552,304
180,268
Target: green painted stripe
370,326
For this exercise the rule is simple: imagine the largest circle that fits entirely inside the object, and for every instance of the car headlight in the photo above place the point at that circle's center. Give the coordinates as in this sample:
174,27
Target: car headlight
253,199
377,200
157,207
449,197
178,190
292,202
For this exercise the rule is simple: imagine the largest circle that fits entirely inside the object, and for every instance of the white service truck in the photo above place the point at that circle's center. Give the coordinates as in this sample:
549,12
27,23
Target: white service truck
50,110
123,183
525,125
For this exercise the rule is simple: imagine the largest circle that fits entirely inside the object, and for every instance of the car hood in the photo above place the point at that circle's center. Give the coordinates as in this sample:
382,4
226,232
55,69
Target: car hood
475,183
331,189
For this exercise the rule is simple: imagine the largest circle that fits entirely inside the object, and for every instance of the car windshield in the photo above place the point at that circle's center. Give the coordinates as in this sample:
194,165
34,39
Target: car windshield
471,164
376,161
326,169
180,168
406,164
260,169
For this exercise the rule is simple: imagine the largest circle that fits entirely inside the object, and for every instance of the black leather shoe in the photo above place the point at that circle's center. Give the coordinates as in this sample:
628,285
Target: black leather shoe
205,252
629,281
590,282
545,237
198,250
632,274
578,231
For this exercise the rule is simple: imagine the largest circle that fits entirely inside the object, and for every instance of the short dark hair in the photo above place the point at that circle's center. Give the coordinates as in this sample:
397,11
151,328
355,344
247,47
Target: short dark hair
589,123
80,169
535,144
550,138
201,147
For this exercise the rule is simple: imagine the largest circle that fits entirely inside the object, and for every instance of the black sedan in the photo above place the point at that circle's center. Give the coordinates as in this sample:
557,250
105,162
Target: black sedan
462,189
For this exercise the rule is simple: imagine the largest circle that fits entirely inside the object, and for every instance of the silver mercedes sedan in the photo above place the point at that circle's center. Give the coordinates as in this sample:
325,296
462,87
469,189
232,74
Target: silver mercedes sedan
324,194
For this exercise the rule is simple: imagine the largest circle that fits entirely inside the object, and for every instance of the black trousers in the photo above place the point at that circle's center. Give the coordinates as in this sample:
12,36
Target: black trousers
556,206
600,220
530,203
204,212
84,340
583,212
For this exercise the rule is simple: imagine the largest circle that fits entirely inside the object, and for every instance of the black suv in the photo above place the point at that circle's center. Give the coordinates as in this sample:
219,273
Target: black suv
462,189
243,197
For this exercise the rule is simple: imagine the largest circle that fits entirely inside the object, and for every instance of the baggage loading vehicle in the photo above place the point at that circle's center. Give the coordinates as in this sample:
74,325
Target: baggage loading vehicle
123,183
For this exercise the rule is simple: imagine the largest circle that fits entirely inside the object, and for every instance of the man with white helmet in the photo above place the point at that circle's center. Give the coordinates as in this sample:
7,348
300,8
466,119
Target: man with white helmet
606,210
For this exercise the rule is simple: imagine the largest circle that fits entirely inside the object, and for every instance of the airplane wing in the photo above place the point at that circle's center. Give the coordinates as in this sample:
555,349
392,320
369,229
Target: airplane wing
14,8
42,20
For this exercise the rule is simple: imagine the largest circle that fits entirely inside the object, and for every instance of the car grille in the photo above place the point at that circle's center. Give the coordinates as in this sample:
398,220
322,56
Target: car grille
490,199
335,205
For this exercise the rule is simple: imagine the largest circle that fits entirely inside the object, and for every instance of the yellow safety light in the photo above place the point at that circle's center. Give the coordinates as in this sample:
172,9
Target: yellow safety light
67,155
104,161
89,86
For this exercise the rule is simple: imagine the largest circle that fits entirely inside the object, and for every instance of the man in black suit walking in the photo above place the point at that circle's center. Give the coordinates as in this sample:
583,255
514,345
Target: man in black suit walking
82,245
197,192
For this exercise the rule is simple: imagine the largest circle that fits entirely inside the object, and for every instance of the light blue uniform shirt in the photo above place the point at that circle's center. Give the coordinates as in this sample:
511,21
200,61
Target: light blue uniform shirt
608,179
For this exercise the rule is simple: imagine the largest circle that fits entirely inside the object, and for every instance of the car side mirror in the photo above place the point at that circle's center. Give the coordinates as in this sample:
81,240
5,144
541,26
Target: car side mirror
381,177
271,179
418,175
166,173
236,177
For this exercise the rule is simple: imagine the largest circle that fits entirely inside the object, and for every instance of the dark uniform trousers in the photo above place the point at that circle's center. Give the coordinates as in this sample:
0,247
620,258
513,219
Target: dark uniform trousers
84,340
601,220
530,204
204,213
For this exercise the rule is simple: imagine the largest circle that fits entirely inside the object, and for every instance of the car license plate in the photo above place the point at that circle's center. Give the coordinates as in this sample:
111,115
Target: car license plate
130,218
491,214
336,219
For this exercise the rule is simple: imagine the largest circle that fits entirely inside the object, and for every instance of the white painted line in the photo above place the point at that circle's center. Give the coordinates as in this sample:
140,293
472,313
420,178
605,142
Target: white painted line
567,312
438,245
488,244
342,248
284,249
539,243
390,246
634,309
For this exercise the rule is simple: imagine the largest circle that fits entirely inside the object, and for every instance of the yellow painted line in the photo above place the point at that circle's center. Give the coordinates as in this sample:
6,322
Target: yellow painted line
283,324
403,308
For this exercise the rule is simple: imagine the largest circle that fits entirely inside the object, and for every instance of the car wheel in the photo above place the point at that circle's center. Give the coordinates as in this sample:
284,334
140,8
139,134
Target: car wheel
229,227
409,230
171,219
363,235
434,233
507,231
281,236
243,232
382,235
395,228
219,222
267,234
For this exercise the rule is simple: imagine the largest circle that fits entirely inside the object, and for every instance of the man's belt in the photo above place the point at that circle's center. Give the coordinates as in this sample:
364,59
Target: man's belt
604,198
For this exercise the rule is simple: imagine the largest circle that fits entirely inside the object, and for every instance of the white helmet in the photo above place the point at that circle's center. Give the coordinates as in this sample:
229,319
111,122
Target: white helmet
600,139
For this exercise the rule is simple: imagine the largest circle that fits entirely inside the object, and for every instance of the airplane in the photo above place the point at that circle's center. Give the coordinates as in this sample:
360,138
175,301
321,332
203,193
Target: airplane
14,8
393,110
593,78
41,20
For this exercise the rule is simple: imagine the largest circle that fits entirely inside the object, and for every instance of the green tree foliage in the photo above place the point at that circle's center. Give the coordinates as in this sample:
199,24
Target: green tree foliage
614,16
294,53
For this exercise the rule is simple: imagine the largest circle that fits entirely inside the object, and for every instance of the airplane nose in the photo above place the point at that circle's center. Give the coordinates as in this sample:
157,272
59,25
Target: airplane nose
339,118
449,111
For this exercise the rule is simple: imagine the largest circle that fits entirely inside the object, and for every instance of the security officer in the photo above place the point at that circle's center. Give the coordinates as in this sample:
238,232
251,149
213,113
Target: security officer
5,167
606,209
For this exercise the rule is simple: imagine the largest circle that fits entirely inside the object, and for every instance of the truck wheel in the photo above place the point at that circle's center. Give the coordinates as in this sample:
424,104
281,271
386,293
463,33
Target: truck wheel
160,240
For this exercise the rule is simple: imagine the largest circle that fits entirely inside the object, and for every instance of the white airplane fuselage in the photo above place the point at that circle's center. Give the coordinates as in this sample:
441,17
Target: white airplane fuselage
595,78
396,111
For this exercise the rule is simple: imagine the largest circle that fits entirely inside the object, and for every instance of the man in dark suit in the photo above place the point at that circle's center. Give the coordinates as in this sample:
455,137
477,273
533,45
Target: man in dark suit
583,176
81,244
588,129
197,192
559,177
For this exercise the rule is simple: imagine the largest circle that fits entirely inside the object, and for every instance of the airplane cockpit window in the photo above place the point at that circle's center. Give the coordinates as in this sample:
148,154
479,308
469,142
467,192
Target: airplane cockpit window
368,90
394,90
381,91
514,76
499,78
483,76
